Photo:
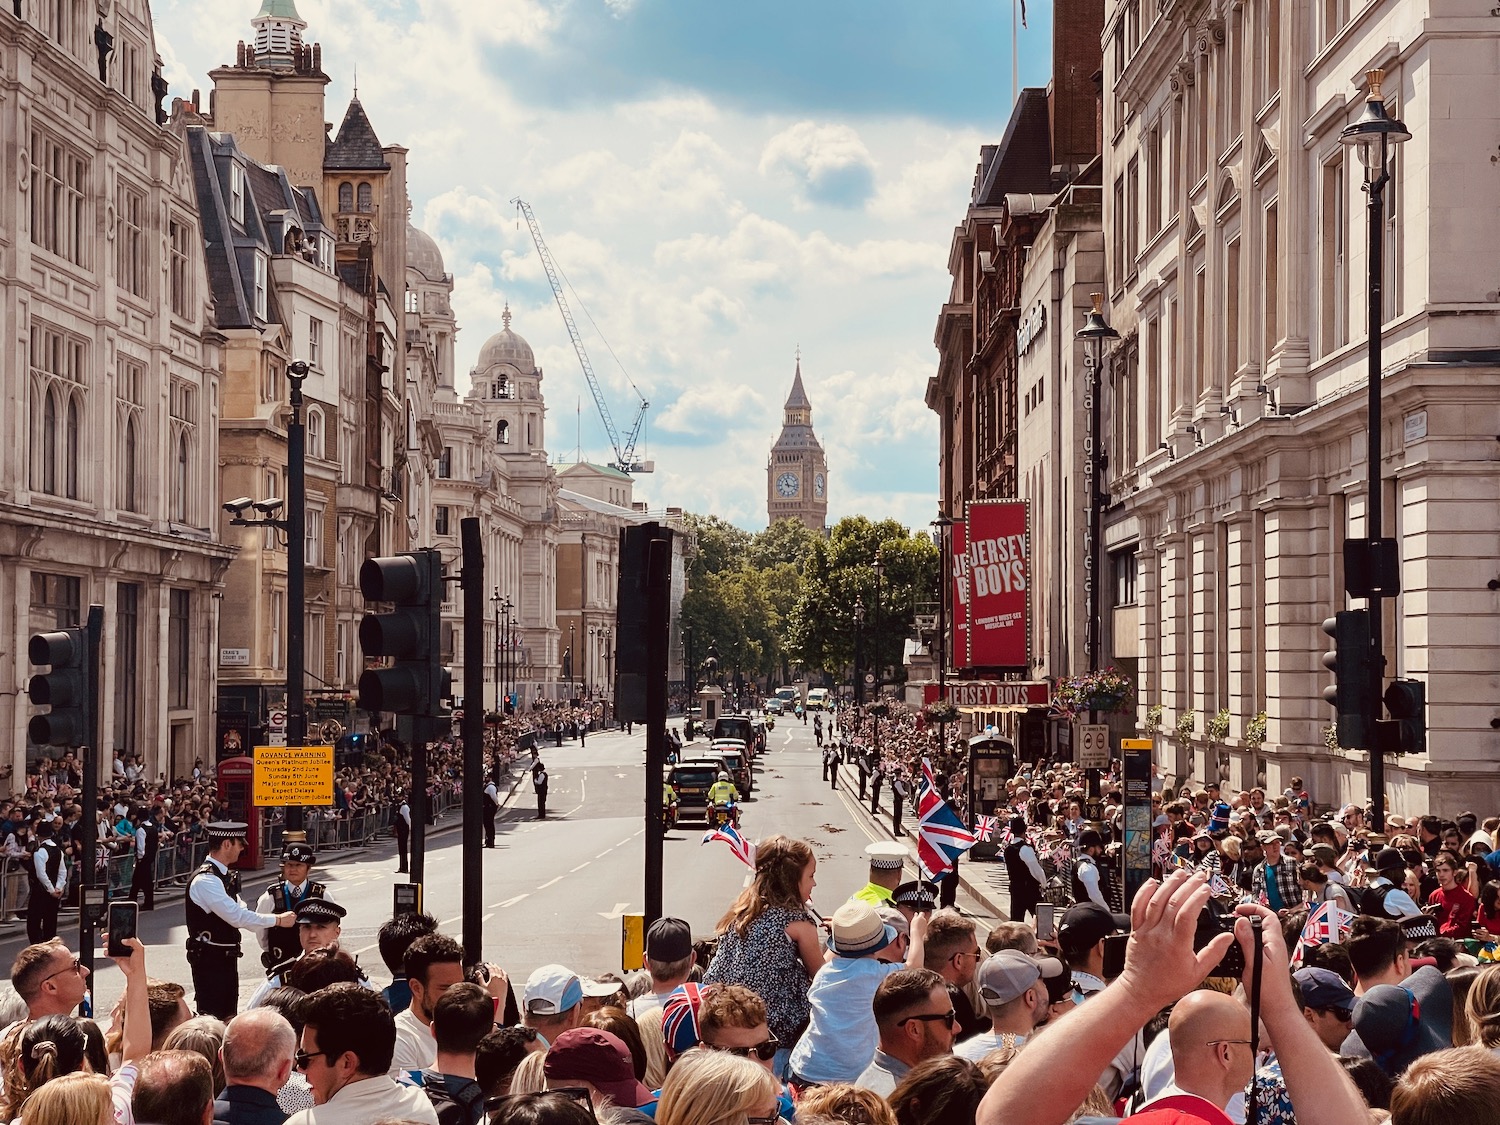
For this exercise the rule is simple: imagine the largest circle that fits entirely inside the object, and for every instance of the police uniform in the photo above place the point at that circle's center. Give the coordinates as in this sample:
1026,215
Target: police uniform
310,911
884,856
147,845
215,916
280,943
46,873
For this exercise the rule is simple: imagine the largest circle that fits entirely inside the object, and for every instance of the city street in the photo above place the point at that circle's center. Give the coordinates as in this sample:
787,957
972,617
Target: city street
554,890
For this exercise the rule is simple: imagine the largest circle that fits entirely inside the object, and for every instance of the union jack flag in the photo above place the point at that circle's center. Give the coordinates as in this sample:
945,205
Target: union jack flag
985,827
941,836
1219,887
1327,922
743,849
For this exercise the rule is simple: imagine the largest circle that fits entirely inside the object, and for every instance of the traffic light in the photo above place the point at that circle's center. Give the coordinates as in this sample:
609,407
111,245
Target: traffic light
1349,660
67,689
409,635
1406,702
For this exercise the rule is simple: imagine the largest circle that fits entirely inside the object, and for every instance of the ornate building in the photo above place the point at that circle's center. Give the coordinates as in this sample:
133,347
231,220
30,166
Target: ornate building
108,480
797,471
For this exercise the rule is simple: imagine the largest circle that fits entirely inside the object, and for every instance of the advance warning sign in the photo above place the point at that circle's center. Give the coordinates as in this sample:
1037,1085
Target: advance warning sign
293,775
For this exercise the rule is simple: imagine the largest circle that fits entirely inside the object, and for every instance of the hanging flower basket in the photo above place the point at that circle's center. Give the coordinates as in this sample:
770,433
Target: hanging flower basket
940,712
1108,691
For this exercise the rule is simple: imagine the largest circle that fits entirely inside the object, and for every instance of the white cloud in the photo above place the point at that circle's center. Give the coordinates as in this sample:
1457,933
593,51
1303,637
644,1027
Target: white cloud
830,163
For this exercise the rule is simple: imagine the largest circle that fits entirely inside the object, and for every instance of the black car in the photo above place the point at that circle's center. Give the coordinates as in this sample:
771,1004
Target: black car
691,780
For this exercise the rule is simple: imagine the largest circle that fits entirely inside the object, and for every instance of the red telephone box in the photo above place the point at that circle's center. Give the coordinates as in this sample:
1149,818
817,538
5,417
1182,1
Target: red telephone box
236,786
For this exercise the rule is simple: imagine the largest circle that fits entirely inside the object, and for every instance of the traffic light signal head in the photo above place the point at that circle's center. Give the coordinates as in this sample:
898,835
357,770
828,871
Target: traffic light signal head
408,635
65,689
1406,702
1349,660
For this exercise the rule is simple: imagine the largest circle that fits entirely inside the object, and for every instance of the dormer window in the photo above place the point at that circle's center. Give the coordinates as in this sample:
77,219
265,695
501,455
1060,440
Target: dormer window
237,194
261,293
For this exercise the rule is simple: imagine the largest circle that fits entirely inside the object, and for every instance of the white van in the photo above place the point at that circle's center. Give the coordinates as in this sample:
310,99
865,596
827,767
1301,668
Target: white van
817,699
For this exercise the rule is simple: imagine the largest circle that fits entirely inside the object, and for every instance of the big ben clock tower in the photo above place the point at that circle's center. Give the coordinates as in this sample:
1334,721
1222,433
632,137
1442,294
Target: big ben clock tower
797,473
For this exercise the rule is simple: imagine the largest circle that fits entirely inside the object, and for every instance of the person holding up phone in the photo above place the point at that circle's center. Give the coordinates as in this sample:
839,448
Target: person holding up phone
215,916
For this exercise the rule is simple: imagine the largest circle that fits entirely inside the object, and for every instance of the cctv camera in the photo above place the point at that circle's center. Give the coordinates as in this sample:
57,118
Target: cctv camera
268,505
237,507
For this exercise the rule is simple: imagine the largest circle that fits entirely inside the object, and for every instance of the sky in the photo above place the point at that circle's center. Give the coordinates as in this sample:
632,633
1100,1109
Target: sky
721,184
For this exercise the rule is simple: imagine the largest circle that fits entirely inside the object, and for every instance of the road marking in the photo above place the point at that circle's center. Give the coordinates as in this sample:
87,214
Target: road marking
604,853
627,840
616,912
511,901
487,917
451,921
549,882
581,866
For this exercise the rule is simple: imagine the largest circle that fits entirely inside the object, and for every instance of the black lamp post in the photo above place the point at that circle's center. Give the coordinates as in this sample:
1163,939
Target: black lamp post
1094,332
859,627
572,661
294,524
1372,135
879,668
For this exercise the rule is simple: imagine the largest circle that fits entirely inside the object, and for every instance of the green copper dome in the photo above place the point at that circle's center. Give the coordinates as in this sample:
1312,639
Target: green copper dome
279,10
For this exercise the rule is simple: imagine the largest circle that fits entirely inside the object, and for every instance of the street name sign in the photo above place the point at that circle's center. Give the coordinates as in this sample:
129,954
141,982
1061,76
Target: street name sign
1093,746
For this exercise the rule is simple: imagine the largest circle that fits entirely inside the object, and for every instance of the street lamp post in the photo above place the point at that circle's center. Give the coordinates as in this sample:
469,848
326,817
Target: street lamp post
859,627
879,668
495,600
572,659
1094,332
1372,135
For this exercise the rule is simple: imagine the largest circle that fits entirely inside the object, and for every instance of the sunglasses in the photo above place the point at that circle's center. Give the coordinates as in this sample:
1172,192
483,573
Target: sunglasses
948,1018
769,1119
302,1059
765,1050
578,1094
1343,1015
75,967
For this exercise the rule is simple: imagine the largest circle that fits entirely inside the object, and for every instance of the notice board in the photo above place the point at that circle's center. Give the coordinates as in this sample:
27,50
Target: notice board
293,775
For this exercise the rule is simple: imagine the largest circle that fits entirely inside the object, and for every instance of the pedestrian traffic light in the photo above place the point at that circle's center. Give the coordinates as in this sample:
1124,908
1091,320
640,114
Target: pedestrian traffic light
1349,659
1406,702
66,689
408,636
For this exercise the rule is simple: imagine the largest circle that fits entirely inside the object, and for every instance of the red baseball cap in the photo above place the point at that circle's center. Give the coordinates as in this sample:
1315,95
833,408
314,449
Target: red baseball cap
588,1054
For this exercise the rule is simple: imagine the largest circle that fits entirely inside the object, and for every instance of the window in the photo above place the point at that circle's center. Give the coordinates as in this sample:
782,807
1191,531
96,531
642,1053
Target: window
129,58
180,281
1390,287
183,407
1153,181
130,380
58,362
182,481
1151,333
1231,97
346,452
313,657
61,21
278,622
314,341
127,664
1132,216
1332,273
56,601
314,432
129,487
312,542
445,463
366,198
413,301
341,653
1333,16
1232,357
261,305
1123,568
498,389
1268,285
1269,76
440,524
1119,238
237,193
179,647
132,267
59,214
346,196
1200,331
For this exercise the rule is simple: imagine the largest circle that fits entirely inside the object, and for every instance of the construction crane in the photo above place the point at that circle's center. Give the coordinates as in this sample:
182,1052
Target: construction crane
624,452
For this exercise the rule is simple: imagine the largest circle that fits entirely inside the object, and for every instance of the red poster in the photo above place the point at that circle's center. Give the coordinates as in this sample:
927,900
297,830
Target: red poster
999,569
958,598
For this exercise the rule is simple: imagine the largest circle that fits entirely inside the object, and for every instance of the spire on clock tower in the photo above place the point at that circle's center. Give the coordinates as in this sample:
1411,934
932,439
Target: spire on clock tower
797,473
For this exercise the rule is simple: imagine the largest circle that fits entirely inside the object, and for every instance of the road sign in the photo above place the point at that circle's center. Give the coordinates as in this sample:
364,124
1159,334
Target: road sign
276,720
1093,746
869,677
293,776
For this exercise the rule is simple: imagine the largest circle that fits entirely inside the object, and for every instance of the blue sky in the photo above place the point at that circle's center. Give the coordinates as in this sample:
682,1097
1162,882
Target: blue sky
721,183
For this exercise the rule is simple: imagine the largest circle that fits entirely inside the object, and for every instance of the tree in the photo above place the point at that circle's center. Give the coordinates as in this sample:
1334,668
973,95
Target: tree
785,541
721,545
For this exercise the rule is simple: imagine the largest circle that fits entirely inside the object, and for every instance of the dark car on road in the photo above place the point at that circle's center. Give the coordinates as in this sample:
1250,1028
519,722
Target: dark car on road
691,780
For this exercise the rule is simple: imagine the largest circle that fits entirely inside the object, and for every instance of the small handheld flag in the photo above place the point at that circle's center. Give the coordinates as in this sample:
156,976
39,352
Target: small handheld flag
743,849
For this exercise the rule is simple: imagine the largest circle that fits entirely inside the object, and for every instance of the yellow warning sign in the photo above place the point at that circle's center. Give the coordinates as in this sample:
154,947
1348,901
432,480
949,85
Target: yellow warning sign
293,775
1136,744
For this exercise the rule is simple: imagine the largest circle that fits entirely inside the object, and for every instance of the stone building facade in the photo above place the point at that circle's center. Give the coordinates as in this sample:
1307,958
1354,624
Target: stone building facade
108,480
1237,277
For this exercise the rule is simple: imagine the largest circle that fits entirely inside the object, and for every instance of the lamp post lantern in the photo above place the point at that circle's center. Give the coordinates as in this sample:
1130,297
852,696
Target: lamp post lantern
1372,136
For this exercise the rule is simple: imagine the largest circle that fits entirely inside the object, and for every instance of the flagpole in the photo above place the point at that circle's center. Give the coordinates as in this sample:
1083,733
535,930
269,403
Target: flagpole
1015,53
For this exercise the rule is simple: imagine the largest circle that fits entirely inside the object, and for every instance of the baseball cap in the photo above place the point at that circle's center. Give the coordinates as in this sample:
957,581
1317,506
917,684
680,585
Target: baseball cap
1005,975
679,1018
551,990
1086,924
1268,837
1325,854
600,1058
1399,1023
669,939
1323,988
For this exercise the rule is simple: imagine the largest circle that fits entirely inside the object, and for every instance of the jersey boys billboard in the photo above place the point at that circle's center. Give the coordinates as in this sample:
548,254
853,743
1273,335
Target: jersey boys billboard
958,599
997,572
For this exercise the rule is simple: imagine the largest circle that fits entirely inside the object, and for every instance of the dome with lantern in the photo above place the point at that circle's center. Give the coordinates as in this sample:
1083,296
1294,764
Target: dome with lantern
423,255
508,349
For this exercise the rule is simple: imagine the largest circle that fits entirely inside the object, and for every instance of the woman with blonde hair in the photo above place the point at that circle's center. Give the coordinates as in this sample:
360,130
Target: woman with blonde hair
73,1099
767,941
1483,1009
716,1088
845,1103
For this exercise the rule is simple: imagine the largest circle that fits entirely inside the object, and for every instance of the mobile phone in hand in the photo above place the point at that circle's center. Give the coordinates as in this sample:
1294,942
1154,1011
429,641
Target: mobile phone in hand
124,920
1046,922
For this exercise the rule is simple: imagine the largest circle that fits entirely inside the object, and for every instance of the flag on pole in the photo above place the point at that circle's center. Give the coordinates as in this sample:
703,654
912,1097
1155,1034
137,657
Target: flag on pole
985,827
743,849
1023,12
941,836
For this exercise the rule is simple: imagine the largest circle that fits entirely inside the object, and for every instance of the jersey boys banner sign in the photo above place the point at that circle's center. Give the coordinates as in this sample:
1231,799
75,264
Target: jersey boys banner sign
958,575
998,571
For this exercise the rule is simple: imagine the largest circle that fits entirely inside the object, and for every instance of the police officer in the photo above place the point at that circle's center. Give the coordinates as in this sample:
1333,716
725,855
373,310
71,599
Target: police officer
401,827
215,916
288,892
539,785
48,875
886,860
319,926
147,845
491,807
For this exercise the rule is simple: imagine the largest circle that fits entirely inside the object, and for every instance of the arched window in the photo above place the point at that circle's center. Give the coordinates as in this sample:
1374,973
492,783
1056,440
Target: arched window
70,467
129,461
49,443
366,198
180,481
502,432
346,196
315,433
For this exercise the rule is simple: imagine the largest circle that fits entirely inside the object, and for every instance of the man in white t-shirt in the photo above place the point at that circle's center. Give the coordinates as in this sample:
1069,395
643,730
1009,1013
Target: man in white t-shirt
669,960
1013,987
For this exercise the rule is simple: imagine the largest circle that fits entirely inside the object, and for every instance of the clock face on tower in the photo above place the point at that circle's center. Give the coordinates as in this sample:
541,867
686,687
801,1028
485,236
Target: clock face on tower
818,485
786,484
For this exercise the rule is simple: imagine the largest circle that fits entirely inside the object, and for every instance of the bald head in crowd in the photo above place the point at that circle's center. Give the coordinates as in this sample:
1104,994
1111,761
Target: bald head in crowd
1210,1037
257,1050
